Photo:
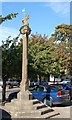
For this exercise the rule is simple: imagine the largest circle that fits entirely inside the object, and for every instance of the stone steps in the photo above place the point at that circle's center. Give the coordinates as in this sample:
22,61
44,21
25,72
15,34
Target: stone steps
35,104
14,104
35,101
40,109
50,115
39,105
36,114
45,110
32,109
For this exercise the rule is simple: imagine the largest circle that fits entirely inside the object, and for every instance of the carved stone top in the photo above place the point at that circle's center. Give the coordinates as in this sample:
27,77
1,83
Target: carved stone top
25,20
25,29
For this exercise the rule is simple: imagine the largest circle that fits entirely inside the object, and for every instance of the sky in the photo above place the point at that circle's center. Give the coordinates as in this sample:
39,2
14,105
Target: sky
44,16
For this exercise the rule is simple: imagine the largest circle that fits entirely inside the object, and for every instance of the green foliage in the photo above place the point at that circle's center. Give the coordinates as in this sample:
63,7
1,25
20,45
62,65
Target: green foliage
36,53
63,36
45,56
8,17
62,32
11,59
7,61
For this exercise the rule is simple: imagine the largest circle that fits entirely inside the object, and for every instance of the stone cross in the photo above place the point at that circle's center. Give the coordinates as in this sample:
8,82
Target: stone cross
25,21
25,31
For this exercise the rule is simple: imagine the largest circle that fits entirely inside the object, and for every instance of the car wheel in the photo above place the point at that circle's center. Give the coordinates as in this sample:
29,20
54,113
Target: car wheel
49,102
45,101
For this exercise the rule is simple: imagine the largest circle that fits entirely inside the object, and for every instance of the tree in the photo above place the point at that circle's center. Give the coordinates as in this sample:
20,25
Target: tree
8,17
4,76
36,49
62,37
51,55
11,60
41,52
11,54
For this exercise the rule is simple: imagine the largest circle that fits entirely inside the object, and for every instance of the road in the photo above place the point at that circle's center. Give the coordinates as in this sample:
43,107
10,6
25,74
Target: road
64,110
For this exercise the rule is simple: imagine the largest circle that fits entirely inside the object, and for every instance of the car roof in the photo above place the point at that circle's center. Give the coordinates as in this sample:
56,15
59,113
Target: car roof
58,84
66,80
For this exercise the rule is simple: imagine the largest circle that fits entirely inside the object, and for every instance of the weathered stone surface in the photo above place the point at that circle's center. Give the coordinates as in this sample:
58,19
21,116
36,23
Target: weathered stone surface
25,32
24,95
29,109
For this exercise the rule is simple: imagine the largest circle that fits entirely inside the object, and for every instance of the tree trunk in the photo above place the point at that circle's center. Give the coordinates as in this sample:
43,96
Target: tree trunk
39,79
4,91
48,77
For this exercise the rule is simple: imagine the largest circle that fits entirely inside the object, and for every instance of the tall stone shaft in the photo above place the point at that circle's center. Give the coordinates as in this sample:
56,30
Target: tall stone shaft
24,63
25,31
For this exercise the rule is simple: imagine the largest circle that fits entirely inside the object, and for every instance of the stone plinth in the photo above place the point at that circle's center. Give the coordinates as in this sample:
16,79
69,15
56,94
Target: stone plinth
24,95
18,108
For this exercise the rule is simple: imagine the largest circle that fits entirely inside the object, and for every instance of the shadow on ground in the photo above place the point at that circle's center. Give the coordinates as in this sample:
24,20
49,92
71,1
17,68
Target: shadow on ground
4,115
64,105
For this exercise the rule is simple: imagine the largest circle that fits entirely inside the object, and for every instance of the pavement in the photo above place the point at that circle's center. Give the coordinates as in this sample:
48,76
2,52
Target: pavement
65,112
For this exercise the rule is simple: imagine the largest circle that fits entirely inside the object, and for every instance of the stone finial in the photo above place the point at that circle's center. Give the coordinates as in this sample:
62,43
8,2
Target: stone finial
25,20
25,29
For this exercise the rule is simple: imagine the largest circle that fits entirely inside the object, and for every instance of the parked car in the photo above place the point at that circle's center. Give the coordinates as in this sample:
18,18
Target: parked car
44,83
67,81
12,95
33,83
19,81
12,83
65,87
50,95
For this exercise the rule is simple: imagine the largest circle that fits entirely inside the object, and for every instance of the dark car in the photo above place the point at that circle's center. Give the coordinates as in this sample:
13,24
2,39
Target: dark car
12,95
50,95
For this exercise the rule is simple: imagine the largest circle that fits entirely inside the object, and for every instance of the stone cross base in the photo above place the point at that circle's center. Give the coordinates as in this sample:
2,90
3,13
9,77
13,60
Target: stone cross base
19,108
26,107
24,95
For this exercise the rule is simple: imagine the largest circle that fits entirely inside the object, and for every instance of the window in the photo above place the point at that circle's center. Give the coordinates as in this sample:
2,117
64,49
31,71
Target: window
39,89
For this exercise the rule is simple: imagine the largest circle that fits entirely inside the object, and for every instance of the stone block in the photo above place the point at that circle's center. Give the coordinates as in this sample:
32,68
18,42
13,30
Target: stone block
25,95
